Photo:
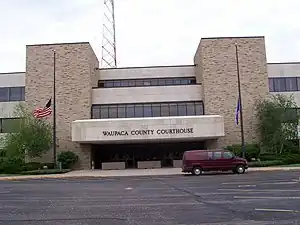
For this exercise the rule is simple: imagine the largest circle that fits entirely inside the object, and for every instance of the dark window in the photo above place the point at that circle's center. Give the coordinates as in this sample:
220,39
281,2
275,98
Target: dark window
147,110
104,112
101,84
109,84
177,81
173,110
147,82
121,111
181,109
192,80
190,109
96,112
139,83
279,84
271,85
184,81
10,125
198,108
16,94
117,83
169,81
298,83
131,83
156,110
164,110
227,155
130,111
138,110
124,83
217,155
113,111
4,94
154,82
291,84
161,82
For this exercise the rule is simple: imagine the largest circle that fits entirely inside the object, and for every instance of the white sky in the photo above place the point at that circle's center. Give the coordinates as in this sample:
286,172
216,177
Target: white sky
148,32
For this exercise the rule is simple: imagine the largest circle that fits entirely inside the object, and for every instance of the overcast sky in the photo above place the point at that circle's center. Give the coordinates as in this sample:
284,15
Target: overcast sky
148,32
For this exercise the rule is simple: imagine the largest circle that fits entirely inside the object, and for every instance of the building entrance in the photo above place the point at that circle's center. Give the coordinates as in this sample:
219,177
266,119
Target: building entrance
131,154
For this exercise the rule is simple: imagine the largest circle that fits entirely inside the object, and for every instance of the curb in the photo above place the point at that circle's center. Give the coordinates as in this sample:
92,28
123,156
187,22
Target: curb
70,176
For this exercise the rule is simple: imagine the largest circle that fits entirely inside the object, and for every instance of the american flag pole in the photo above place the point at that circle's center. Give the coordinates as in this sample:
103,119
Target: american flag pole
240,102
54,109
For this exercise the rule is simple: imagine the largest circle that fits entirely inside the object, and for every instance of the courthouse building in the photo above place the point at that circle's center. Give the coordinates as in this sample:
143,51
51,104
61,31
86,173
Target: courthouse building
145,117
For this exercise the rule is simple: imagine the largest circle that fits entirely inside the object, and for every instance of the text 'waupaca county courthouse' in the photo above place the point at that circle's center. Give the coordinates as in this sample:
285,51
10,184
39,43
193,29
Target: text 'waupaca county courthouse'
146,117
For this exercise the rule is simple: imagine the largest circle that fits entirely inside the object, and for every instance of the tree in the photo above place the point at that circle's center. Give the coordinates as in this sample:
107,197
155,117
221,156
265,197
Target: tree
278,122
31,137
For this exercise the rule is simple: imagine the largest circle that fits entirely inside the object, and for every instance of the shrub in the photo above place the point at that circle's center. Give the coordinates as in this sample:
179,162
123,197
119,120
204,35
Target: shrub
32,166
252,150
266,163
291,159
45,171
12,165
67,159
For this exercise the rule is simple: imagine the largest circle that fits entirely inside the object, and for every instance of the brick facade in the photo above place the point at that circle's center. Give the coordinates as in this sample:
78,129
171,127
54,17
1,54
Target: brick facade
215,61
75,77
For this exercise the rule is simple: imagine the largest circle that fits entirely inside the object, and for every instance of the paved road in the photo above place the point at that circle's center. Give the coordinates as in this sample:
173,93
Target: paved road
253,198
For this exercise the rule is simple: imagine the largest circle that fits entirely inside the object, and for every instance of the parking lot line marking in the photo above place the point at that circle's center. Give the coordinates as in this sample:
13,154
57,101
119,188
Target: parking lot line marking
288,182
259,190
264,197
247,185
278,210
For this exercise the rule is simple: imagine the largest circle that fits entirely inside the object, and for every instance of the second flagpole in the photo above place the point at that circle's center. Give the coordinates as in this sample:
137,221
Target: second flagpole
240,101
54,109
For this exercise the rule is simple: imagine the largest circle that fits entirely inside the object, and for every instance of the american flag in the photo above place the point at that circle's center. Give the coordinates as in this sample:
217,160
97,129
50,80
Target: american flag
43,112
237,111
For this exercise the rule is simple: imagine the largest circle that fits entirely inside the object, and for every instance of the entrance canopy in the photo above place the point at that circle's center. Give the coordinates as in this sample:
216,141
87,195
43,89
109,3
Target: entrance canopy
128,130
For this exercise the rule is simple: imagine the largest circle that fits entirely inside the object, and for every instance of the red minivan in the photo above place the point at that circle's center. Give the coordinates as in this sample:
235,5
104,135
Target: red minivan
197,161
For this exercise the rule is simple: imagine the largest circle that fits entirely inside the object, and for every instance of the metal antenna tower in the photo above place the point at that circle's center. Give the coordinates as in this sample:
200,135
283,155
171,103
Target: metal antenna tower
109,56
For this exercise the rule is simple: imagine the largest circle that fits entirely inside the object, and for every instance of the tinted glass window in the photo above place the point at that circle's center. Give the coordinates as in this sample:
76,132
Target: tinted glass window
121,111
271,85
184,81
139,83
164,110
198,109
227,155
190,108
147,82
210,155
173,110
124,83
169,81
100,84
96,112
131,83
113,111
291,84
161,82
139,111
147,110
15,94
117,83
129,111
108,84
4,94
217,155
181,109
279,84
155,110
154,82
104,112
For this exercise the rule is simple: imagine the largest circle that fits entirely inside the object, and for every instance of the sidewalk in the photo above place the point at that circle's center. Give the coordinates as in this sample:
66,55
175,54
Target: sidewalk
129,173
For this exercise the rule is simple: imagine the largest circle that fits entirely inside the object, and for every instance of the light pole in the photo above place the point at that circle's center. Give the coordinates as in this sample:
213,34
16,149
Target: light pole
240,101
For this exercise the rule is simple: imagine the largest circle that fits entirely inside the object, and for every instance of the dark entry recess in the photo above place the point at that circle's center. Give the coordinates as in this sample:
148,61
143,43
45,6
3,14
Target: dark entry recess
132,153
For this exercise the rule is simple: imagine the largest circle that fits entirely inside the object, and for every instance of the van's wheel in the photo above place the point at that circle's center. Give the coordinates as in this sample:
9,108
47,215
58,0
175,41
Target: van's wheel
240,169
197,171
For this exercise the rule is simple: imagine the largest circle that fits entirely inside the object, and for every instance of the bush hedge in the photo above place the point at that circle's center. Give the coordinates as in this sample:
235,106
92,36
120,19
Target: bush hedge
45,171
252,151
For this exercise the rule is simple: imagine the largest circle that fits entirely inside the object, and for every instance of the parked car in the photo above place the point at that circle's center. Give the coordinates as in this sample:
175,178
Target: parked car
197,161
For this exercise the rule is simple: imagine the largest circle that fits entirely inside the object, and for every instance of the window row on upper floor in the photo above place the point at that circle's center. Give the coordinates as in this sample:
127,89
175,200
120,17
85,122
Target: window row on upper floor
9,125
284,84
147,110
146,82
9,94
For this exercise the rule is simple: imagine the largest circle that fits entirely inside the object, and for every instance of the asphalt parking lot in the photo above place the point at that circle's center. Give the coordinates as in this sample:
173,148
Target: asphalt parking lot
253,198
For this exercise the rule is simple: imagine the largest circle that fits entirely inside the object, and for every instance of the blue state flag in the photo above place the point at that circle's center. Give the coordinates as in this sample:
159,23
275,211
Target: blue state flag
237,112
